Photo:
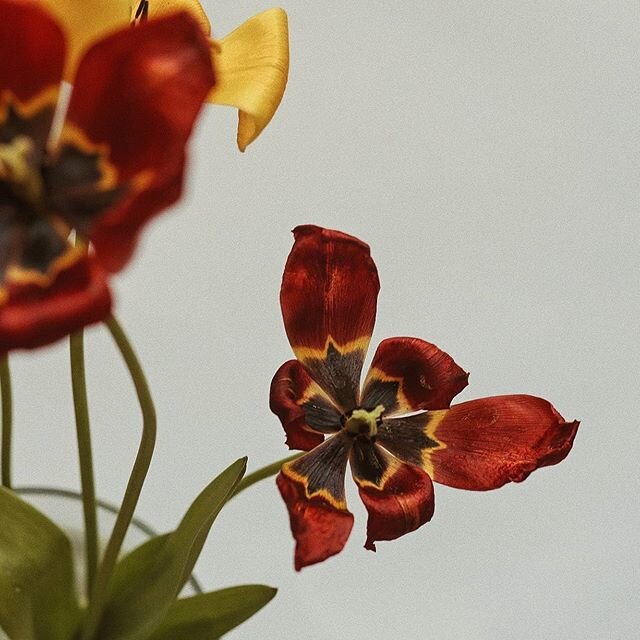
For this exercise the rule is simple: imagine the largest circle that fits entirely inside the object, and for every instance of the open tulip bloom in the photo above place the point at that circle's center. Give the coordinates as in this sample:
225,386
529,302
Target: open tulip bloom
399,433
118,160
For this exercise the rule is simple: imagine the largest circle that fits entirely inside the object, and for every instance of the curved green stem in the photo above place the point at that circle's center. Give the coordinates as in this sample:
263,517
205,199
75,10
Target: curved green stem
85,456
134,486
261,474
7,419
139,524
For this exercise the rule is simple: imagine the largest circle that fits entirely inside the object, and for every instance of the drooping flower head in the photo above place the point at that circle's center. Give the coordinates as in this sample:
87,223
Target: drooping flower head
251,63
397,433
118,160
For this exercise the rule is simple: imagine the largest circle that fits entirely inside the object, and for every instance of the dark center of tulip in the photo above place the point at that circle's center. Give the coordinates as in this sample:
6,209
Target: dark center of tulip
361,422
44,194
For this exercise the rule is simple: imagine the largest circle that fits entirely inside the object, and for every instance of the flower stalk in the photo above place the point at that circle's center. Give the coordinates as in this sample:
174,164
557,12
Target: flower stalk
263,474
85,455
134,486
7,420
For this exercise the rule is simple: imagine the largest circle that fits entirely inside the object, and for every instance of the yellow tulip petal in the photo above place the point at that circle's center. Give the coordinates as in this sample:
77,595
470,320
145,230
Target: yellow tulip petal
87,21
252,65
159,7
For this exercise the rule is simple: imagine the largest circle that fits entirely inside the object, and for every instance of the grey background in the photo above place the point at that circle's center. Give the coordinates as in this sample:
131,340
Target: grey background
487,151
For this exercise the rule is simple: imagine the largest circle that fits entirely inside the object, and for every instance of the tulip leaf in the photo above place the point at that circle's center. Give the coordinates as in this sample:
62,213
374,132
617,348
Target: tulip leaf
37,597
148,580
209,616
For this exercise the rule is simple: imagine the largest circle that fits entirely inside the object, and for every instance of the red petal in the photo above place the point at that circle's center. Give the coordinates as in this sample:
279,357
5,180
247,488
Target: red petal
33,315
32,50
398,496
115,240
313,489
408,374
137,94
488,442
303,408
328,298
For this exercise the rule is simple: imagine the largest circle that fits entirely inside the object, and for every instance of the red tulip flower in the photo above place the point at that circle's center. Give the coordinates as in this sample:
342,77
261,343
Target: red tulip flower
399,433
117,162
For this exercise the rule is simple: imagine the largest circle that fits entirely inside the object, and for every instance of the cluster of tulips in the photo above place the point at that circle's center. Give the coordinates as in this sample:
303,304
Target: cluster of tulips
76,190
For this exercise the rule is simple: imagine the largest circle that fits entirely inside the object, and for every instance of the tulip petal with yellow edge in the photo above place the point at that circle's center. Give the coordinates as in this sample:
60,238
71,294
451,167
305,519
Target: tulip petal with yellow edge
86,21
252,65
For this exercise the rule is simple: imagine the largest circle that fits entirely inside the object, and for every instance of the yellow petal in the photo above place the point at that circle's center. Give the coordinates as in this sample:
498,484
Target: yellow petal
158,7
87,21
252,65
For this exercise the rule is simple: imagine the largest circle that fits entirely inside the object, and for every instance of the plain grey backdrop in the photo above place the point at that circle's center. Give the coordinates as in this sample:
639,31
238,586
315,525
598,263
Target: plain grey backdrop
488,153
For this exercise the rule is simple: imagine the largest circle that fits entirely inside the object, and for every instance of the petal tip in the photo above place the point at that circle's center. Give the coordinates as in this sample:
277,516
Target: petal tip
319,529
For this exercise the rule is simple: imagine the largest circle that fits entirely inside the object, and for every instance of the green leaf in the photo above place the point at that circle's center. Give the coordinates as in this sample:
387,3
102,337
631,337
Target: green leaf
37,598
210,615
148,580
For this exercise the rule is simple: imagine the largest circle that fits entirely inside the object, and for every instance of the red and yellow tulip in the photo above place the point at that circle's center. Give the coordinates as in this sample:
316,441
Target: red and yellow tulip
399,432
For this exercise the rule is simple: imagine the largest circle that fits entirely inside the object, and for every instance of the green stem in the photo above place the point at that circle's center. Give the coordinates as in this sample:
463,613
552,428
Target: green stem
261,474
134,486
7,418
85,456
139,524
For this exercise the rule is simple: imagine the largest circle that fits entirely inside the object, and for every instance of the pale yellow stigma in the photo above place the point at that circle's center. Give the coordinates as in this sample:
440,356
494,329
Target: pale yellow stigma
17,167
363,422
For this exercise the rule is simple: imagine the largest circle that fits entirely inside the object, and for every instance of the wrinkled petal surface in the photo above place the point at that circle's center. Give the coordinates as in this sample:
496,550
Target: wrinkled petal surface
32,50
313,489
408,374
33,315
134,104
398,497
328,298
305,411
485,443
252,66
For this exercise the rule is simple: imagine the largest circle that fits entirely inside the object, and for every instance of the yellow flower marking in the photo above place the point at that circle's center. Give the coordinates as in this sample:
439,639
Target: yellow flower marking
310,353
404,406
75,137
109,175
48,97
17,275
433,420
17,168
292,474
